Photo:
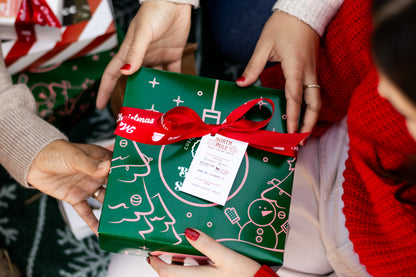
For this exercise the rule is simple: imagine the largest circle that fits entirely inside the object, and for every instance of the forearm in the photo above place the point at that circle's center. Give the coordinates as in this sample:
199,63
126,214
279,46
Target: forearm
22,133
194,3
315,13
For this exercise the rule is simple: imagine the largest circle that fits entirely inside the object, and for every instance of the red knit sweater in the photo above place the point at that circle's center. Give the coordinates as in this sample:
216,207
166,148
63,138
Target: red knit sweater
382,229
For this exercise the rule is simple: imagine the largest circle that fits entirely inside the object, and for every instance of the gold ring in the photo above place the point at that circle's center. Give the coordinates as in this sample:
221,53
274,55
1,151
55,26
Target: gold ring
312,86
97,192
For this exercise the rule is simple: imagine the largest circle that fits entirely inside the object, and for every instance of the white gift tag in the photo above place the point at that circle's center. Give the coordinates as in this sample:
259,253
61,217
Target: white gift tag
214,167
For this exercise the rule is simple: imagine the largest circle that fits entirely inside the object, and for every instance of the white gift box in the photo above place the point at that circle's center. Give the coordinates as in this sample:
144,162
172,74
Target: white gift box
8,13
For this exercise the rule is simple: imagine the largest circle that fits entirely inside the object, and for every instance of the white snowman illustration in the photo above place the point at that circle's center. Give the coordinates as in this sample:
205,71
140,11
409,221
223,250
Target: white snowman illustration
259,230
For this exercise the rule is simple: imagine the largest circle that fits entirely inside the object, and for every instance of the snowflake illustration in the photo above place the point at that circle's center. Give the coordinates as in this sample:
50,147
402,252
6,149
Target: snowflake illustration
87,259
7,193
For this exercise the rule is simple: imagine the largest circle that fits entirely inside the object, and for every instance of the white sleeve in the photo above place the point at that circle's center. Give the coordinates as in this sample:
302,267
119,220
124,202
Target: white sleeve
194,3
315,13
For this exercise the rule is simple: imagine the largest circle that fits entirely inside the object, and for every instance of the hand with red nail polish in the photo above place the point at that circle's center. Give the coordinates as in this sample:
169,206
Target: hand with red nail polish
225,262
126,67
191,234
155,38
294,44
240,80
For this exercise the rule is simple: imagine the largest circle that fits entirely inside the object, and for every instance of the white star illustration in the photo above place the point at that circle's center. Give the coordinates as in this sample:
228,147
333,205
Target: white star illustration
154,82
178,101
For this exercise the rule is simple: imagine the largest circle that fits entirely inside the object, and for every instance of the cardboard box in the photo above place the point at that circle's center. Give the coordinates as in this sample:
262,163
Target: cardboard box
84,38
144,209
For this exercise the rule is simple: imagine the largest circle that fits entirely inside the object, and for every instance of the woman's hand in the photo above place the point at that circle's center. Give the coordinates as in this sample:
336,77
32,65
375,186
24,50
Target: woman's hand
156,38
226,262
72,173
295,44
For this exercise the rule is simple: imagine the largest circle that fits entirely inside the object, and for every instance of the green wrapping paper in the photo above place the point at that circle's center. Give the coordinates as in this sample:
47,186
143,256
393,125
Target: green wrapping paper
144,209
66,92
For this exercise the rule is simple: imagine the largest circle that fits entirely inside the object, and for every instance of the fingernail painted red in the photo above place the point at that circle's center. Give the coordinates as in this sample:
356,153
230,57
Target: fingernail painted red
191,234
148,260
241,79
126,67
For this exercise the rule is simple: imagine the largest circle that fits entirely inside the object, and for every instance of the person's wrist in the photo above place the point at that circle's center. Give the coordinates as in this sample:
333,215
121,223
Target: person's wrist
194,3
307,26
316,14
171,7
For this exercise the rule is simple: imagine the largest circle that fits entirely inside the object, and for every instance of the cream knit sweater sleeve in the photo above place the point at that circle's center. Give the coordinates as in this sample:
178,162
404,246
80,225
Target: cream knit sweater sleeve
315,13
22,133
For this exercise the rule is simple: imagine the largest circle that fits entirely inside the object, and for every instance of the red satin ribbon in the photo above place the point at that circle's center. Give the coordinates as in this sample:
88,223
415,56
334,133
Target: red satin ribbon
181,123
33,12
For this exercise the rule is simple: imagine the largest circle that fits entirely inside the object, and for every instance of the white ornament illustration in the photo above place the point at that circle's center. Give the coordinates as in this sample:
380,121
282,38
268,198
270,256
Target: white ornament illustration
212,113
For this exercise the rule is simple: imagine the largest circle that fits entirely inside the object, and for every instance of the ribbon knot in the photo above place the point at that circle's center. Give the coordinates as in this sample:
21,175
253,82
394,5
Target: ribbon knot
215,129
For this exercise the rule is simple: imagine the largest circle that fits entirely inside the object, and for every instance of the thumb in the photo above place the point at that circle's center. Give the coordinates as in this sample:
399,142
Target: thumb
90,166
208,246
222,257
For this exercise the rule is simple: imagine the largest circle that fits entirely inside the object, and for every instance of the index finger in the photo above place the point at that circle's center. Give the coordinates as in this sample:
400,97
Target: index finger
312,98
293,93
108,82
112,73
131,53
85,212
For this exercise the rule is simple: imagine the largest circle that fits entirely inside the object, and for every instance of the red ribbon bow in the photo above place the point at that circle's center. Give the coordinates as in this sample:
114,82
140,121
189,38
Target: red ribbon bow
181,123
33,12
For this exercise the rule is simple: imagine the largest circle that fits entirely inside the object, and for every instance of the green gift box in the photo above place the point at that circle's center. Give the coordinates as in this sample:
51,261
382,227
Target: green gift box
144,209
